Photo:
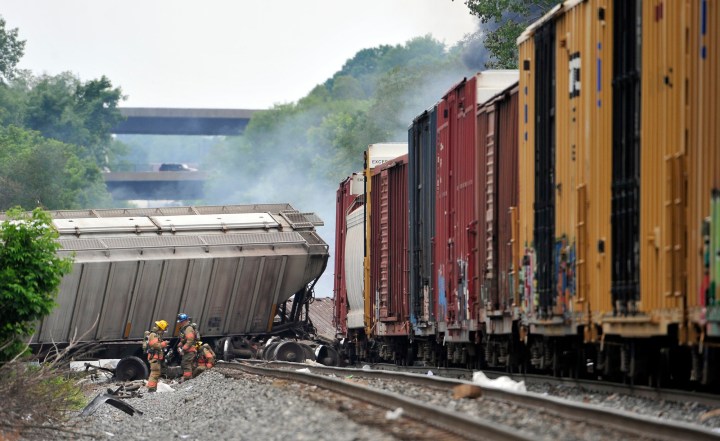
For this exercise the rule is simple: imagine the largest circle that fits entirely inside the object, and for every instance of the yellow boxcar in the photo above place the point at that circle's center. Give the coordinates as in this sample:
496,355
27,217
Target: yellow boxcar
565,131
619,160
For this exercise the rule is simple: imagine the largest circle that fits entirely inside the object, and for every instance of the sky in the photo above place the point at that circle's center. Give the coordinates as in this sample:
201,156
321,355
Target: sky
237,54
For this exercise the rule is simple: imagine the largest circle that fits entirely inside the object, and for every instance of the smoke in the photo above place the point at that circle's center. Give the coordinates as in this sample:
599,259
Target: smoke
288,154
277,168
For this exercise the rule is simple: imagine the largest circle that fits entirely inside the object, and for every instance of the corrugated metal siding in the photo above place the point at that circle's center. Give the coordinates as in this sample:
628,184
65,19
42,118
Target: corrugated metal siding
526,175
457,218
443,222
375,155
545,131
582,172
343,199
664,116
486,264
626,157
422,140
389,239
507,195
321,315
321,312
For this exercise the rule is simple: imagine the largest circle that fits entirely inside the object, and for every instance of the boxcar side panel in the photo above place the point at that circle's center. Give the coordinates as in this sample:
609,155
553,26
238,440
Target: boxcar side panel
526,174
388,236
90,296
342,200
663,158
442,210
218,298
422,140
56,325
507,195
485,266
248,287
121,285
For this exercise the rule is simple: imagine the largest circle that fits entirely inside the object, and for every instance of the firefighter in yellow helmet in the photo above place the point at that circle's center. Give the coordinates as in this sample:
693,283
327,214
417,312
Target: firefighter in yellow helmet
205,358
154,345
186,347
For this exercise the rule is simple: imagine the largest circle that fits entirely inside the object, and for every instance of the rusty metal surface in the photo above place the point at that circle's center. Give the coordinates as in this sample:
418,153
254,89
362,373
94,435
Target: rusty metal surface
388,242
321,314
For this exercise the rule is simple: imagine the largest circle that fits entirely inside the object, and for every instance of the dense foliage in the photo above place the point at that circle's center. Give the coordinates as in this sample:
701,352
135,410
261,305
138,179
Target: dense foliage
30,275
54,134
11,51
504,21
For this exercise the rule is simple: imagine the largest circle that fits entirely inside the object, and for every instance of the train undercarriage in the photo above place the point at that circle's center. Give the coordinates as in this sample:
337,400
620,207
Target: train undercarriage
652,361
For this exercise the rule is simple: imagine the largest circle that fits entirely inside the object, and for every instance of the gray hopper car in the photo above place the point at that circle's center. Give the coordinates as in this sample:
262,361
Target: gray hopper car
228,267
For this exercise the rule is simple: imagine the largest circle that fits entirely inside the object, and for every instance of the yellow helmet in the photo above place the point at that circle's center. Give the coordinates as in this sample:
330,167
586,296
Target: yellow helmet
161,324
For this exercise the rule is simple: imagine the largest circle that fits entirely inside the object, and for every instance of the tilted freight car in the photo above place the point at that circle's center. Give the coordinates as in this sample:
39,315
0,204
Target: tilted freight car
231,268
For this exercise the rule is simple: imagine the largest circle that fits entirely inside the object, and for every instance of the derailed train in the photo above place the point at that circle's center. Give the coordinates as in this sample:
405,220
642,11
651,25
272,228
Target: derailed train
569,223
232,268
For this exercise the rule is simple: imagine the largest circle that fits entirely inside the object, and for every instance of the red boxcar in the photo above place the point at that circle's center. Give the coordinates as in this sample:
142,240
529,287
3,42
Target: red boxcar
388,238
497,183
458,225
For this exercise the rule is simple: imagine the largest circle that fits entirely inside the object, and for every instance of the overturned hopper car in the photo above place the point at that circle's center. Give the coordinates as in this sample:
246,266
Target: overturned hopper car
231,268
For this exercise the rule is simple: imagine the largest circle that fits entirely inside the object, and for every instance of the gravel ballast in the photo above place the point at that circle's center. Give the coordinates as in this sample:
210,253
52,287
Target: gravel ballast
213,406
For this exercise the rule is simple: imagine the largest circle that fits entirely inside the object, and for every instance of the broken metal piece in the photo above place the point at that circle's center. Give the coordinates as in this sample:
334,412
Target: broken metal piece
88,366
111,400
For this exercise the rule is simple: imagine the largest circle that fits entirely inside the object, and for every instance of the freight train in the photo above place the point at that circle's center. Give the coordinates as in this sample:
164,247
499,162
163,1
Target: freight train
243,273
562,218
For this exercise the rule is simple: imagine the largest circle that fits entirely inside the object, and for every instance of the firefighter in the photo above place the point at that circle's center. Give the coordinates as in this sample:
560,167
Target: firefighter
205,358
186,347
154,347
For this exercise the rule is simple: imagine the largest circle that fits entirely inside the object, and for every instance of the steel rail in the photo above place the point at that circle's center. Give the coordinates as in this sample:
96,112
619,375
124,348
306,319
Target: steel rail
648,392
461,425
655,428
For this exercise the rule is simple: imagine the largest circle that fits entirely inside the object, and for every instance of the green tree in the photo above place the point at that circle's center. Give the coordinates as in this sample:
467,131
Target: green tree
11,51
64,108
505,20
30,276
36,171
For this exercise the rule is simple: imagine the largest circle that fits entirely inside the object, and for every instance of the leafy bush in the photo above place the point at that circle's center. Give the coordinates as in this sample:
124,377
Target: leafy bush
30,276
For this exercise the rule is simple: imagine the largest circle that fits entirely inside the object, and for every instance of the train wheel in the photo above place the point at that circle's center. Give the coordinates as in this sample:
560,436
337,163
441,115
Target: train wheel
289,351
327,355
131,368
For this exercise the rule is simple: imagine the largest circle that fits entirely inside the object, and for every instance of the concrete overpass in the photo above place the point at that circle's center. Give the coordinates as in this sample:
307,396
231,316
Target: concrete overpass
173,121
156,185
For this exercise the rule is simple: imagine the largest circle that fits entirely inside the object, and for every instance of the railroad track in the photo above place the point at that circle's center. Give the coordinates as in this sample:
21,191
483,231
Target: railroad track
461,425
482,419
652,393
